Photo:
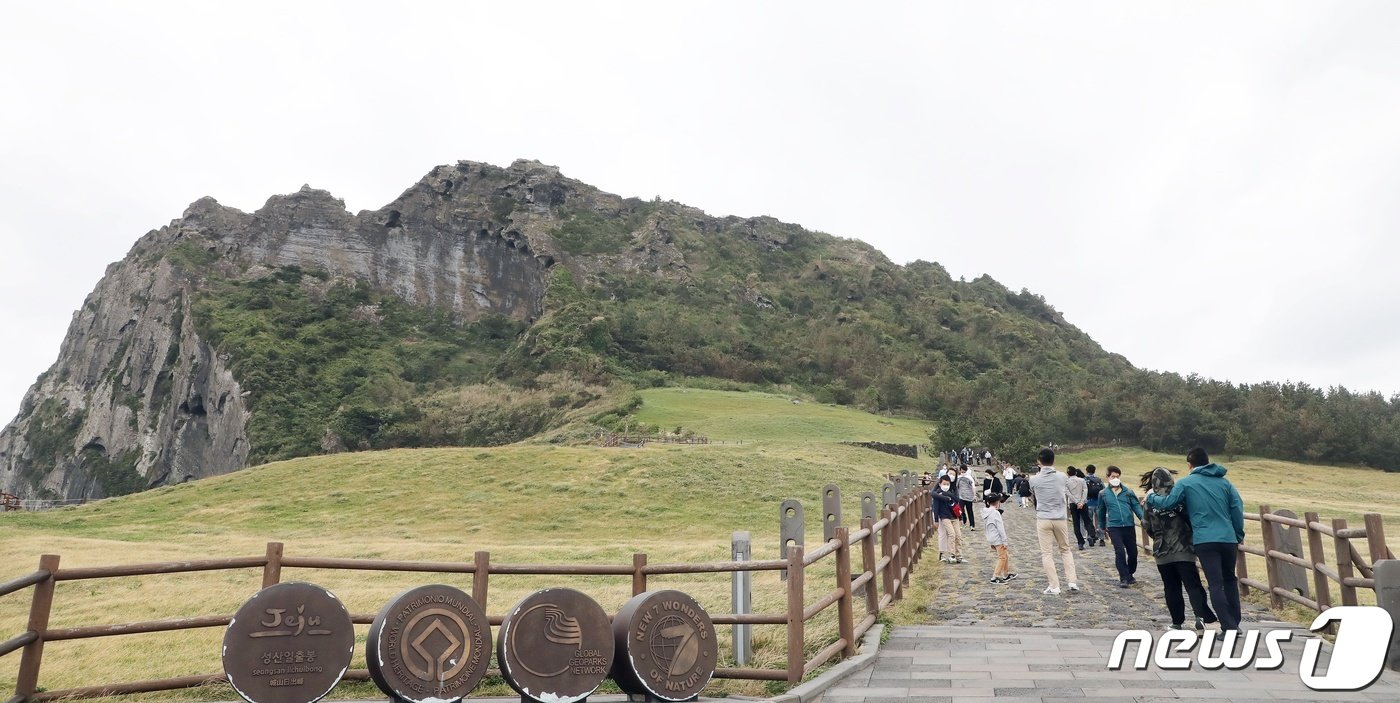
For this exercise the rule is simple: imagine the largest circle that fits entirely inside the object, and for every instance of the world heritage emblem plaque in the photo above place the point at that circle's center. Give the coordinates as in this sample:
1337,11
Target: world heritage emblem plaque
431,643
666,646
555,646
289,643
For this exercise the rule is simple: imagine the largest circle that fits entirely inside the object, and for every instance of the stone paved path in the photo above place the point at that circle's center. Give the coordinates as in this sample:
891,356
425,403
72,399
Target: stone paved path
1013,643
967,598
958,664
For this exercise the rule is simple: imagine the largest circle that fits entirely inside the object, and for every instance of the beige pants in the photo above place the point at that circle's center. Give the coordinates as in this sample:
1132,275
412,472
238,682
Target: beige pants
949,538
1003,561
1054,534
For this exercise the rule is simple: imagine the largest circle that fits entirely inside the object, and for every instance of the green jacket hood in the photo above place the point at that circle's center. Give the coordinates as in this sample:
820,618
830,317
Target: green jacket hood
1215,470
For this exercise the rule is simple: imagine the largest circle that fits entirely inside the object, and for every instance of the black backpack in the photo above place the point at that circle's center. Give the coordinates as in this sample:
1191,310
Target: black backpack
1095,486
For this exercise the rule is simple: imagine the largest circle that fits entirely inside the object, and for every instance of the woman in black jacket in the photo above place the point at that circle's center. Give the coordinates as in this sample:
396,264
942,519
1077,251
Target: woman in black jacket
991,484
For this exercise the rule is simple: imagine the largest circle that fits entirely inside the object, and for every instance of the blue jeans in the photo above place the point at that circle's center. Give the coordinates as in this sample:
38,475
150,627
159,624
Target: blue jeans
1218,561
1125,551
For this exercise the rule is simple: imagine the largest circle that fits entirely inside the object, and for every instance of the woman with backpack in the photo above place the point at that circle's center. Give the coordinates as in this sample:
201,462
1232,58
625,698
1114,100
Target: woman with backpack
1170,531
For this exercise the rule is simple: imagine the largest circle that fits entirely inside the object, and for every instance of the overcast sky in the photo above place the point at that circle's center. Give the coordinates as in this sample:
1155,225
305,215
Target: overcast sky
1202,187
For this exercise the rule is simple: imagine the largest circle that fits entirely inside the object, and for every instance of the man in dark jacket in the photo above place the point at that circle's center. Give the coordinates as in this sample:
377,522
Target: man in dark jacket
949,534
1217,529
1176,560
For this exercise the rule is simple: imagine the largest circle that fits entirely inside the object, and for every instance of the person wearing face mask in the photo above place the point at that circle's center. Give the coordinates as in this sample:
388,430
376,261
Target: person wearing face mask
949,534
967,492
1117,506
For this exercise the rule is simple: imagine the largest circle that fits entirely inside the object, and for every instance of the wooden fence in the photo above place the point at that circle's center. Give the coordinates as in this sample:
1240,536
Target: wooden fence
1346,554
885,569
1348,558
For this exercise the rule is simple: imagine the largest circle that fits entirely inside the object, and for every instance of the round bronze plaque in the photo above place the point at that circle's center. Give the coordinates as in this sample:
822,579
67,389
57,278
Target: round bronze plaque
555,646
290,643
429,643
666,646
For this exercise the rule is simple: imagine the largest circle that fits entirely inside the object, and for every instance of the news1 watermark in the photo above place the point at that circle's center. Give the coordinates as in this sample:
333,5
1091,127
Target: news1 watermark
1358,655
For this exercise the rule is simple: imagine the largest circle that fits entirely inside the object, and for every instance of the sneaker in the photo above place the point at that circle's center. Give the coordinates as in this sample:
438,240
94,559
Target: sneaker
1081,547
958,560
997,580
1177,626
1200,625
1052,591
1132,580
1122,584
1009,577
1074,587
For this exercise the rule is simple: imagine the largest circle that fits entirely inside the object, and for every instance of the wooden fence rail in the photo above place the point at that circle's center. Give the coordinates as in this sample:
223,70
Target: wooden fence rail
902,532
1348,559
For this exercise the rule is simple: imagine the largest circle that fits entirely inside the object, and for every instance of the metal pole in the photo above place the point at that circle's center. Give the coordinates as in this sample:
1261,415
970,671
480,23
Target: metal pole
742,549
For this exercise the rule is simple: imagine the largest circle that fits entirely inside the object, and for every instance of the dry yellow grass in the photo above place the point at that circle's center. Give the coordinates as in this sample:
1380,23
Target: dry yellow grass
525,504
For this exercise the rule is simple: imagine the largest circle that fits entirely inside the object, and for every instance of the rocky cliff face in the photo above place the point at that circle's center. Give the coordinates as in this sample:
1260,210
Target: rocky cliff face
138,399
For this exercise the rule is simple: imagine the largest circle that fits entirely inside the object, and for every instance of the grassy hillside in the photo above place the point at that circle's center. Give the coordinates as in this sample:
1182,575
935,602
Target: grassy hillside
726,415
523,503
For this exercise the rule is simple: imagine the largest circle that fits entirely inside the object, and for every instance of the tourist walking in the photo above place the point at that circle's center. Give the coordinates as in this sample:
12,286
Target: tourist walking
967,492
992,483
1007,473
1171,548
1077,493
1117,506
1023,490
1048,487
949,534
1094,486
995,530
1216,513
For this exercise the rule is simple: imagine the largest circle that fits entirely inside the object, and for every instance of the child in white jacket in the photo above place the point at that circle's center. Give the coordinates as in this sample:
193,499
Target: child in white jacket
996,537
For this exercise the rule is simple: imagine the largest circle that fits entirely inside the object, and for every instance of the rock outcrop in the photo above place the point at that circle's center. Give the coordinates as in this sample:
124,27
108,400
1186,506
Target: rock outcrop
137,398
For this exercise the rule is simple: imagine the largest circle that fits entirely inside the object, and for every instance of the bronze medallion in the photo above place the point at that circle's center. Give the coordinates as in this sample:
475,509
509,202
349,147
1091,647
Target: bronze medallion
555,646
666,646
290,643
429,643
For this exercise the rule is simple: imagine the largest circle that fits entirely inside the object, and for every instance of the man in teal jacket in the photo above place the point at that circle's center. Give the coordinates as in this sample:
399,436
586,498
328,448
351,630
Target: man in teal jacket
1117,506
1217,529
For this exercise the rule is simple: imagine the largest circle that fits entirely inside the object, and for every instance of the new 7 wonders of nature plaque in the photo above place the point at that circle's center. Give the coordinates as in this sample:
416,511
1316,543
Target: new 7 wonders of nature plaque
555,646
666,646
290,643
431,643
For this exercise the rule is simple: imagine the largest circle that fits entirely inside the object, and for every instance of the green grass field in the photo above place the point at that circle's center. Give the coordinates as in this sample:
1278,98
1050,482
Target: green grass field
534,503
725,415
523,503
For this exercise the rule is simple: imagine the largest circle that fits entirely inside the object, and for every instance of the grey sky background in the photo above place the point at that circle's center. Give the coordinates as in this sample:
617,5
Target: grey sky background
1202,187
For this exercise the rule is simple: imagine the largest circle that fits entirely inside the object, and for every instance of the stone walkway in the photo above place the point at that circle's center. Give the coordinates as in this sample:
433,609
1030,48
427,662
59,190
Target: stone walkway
970,600
1013,643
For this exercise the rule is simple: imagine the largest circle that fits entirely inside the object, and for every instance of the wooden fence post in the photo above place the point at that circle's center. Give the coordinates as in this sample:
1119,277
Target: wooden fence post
639,574
886,555
796,625
845,607
1270,563
481,578
1242,572
867,561
27,682
272,570
1375,538
1343,548
1318,556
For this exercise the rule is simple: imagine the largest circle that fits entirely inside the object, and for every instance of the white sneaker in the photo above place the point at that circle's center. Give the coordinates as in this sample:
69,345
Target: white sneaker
1052,591
1074,587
